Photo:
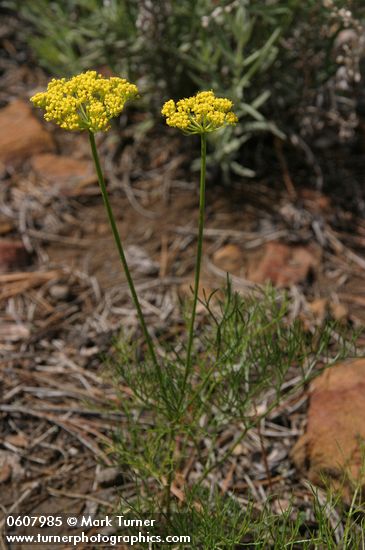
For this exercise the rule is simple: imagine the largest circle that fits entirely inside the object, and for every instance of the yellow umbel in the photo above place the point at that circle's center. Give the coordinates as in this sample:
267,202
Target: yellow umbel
85,102
199,114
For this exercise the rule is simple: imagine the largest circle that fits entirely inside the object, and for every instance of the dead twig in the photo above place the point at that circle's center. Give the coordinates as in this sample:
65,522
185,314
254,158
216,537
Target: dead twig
68,494
278,144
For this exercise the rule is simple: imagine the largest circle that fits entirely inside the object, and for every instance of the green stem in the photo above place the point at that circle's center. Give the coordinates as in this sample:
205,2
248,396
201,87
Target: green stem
122,255
188,364
170,475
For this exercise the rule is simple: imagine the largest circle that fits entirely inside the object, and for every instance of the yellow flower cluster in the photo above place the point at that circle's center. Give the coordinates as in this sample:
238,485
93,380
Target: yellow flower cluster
85,102
199,114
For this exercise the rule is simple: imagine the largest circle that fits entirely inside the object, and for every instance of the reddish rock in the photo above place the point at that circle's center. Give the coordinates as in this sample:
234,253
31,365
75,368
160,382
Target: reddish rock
284,265
62,169
13,255
21,134
332,446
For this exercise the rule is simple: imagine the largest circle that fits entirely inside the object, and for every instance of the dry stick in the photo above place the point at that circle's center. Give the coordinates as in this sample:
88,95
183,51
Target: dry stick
70,427
278,144
79,496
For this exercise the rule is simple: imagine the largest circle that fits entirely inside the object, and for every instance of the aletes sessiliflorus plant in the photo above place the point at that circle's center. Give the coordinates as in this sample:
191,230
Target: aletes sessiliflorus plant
181,403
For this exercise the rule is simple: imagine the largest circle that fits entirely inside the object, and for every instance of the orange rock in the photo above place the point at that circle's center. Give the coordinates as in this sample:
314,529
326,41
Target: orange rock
284,265
61,169
229,258
335,434
21,134
13,255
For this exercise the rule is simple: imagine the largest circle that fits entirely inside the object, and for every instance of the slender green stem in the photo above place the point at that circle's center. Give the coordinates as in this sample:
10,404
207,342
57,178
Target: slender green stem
188,364
122,255
171,472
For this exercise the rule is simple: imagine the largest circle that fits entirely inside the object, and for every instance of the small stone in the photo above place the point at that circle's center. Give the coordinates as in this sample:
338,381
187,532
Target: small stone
319,308
59,292
238,450
339,311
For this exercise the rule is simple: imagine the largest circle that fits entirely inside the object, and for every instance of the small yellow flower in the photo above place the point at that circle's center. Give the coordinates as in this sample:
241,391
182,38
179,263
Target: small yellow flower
199,114
84,102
